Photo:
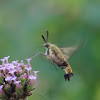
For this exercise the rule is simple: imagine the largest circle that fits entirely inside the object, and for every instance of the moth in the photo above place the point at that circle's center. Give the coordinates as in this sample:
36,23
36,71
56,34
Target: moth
59,56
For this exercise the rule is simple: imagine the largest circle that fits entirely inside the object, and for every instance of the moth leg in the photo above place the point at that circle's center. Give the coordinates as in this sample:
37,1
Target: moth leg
38,54
53,64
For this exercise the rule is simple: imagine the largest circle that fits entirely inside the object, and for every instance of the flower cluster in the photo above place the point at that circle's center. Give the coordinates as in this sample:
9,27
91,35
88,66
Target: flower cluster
16,81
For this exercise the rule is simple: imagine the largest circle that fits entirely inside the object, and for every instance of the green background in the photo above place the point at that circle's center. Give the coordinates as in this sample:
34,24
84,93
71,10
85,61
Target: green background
22,22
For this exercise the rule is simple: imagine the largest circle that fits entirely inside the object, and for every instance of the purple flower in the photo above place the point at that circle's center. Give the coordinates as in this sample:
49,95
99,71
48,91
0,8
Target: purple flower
28,69
3,68
18,68
3,61
24,76
4,84
32,78
28,61
15,62
8,78
0,65
11,67
22,63
17,83
18,74
12,71
6,58
13,78
1,91
35,72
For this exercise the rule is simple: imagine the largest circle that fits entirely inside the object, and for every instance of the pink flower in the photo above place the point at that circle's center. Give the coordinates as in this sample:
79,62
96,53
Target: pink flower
28,69
8,78
28,61
6,58
3,68
11,67
34,81
17,83
3,61
15,62
18,74
22,63
35,72
13,78
1,91
24,76
12,71
18,68
32,78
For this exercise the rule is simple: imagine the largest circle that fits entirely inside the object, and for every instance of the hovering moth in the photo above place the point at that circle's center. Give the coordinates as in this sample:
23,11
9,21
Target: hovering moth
59,56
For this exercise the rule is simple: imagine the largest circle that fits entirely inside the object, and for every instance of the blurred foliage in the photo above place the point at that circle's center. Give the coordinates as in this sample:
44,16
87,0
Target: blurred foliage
22,22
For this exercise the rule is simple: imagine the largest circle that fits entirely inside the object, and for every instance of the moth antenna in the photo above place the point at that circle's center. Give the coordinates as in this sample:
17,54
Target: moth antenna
44,39
47,36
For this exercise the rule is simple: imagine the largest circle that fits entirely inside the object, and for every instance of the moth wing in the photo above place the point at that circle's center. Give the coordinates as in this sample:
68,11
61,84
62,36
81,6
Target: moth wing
70,51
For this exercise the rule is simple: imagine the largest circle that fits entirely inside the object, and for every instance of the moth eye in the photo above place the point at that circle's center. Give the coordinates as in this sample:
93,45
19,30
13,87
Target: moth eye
46,45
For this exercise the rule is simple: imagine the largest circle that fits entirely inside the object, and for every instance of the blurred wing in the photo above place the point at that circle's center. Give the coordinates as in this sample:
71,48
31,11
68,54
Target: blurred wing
70,51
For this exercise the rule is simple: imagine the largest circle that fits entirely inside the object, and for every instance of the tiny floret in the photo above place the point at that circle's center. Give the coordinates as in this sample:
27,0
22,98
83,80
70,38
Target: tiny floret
6,58
35,72
32,77
28,69
8,78
28,61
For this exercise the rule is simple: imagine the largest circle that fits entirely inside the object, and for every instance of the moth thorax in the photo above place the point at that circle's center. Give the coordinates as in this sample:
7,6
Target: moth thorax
47,51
